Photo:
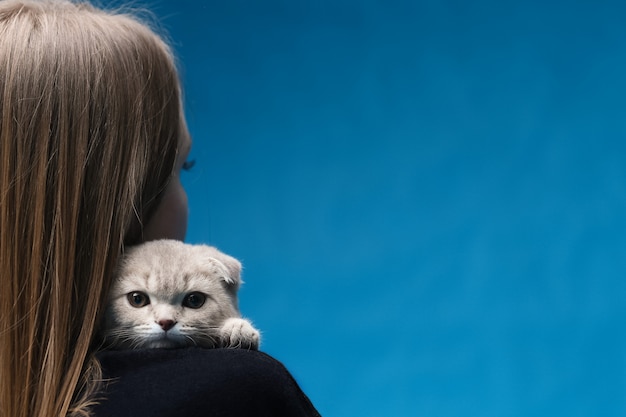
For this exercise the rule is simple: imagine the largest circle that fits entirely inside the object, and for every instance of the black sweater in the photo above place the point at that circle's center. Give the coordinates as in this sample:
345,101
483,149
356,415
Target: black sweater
196,382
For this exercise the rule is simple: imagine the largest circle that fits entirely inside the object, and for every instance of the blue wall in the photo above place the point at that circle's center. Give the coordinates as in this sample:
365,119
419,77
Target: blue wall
429,197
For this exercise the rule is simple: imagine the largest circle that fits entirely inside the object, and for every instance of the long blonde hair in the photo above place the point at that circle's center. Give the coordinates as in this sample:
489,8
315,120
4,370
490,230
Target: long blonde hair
90,122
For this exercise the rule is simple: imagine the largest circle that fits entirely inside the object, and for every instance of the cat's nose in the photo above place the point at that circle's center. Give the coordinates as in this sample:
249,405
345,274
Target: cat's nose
166,324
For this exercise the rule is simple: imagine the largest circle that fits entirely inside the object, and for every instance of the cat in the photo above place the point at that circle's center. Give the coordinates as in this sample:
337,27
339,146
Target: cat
168,294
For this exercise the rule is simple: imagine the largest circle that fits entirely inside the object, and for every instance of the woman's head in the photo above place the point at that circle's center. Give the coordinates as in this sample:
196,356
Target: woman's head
91,134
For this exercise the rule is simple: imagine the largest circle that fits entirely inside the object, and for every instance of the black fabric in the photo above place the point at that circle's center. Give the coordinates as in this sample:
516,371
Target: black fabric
196,382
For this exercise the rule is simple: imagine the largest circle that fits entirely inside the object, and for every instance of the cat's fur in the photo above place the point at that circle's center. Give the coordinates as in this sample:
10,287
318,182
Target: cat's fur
166,272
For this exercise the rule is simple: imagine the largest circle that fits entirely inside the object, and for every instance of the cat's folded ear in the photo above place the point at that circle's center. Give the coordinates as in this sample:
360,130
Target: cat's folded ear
232,267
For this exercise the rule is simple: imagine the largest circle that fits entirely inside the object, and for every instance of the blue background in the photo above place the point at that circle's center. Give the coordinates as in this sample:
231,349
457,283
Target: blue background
428,197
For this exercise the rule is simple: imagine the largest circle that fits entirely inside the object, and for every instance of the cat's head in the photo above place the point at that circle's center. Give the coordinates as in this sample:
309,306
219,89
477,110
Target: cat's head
169,294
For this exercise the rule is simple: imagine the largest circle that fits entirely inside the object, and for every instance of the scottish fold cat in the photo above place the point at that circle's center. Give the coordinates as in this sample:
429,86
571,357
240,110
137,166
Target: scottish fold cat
167,294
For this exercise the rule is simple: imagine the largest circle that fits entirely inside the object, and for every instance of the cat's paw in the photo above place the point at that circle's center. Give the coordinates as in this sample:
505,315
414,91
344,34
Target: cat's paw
239,333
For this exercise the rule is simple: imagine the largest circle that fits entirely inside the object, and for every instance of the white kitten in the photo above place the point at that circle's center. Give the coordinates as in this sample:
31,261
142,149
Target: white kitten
168,294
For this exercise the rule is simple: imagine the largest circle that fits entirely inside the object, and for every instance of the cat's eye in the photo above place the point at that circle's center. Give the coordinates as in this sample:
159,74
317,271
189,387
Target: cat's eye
138,299
194,300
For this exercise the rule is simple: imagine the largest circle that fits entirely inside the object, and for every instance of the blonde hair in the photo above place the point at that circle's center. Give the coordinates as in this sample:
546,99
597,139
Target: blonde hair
90,124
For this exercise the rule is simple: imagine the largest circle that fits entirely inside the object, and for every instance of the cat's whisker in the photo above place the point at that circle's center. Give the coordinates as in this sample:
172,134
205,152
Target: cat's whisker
192,340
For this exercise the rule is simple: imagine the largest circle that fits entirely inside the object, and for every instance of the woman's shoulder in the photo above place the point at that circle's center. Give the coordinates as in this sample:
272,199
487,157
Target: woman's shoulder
198,382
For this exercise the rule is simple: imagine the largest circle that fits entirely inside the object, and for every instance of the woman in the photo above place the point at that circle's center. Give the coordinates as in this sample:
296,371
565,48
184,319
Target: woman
92,141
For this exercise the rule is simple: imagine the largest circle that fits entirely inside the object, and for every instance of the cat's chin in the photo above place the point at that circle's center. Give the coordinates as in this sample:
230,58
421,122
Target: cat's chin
164,343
